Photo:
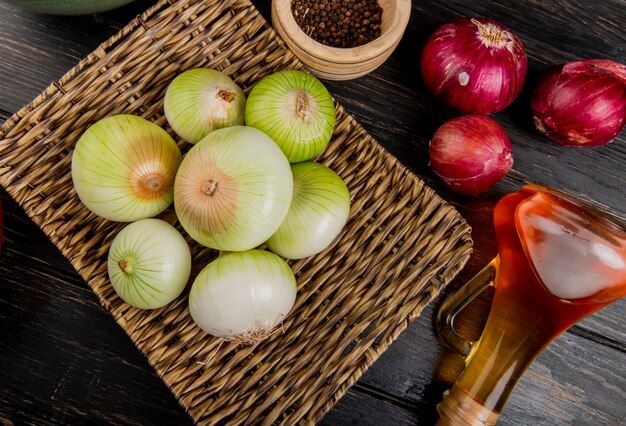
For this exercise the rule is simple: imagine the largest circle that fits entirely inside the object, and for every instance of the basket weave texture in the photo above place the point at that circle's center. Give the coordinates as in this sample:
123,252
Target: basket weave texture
401,246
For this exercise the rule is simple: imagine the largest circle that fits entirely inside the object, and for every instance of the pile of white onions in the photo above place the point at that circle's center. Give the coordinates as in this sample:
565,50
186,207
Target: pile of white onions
233,191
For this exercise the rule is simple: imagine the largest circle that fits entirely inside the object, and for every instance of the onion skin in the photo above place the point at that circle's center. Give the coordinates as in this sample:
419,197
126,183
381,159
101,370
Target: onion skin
474,65
470,153
149,264
243,295
233,189
123,168
295,110
201,100
581,103
319,211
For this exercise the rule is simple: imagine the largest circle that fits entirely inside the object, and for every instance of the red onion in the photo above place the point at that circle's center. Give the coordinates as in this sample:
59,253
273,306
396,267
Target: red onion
474,65
581,103
470,153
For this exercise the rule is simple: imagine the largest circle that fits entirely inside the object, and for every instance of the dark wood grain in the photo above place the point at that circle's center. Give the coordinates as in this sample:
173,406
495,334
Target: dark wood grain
66,361
63,358
568,375
362,409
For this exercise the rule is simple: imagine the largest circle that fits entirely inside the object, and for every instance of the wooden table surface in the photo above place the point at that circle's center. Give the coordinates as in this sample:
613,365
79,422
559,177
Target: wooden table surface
65,360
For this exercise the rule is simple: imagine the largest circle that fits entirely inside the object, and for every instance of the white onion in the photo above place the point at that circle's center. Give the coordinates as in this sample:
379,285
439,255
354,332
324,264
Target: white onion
319,211
202,100
295,110
243,295
233,189
149,263
123,168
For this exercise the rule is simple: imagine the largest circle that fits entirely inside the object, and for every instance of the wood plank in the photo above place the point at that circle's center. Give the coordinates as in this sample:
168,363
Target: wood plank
63,356
37,49
397,110
568,384
574,378
358,408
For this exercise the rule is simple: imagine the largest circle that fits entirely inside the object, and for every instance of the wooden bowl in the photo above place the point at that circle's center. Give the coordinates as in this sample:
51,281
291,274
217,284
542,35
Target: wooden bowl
334,63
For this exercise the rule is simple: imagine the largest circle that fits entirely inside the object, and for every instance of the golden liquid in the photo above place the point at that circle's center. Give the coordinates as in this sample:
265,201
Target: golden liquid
549,249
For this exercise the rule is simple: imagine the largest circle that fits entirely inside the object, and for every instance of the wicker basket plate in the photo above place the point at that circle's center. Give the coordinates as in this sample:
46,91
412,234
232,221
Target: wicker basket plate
401,245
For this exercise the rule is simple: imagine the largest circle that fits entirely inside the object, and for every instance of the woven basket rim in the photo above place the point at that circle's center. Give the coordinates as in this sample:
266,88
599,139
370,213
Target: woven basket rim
463,228
90,59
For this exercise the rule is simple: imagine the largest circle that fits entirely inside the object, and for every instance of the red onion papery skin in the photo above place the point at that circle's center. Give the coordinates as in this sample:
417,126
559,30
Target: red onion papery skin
474,65
470,153
581,103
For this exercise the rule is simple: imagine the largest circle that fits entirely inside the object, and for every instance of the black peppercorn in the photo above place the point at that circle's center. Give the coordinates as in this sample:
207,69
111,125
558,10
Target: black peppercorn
339,23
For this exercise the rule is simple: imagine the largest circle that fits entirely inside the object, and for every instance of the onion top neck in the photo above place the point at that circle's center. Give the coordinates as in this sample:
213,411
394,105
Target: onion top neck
216,103
125,266
147,179
491,35
303,105
226,95
209,187
152,183
148,185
